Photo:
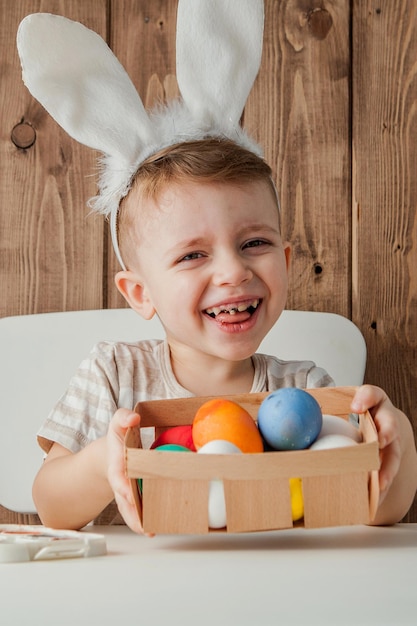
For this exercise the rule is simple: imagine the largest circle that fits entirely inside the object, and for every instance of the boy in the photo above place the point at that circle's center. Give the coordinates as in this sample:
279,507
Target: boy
199,237
195,225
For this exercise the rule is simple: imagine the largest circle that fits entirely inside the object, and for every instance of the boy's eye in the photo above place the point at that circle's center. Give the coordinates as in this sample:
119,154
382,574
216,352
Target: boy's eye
191,256
254,243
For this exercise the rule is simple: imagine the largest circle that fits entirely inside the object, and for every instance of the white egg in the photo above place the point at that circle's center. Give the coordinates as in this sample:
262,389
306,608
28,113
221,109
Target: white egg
219,446
333,425
217,517
332,441
216,500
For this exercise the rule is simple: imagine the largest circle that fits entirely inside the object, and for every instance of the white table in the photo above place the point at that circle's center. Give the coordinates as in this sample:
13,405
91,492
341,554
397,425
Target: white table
354,576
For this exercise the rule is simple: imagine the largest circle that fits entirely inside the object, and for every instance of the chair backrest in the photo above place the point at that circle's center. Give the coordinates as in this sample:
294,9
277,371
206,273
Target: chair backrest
42,351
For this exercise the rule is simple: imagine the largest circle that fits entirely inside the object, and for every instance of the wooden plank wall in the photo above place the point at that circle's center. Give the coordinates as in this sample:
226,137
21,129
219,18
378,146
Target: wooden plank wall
334,107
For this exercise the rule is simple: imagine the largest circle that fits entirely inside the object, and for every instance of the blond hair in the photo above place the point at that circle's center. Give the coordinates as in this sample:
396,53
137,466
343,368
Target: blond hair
209,160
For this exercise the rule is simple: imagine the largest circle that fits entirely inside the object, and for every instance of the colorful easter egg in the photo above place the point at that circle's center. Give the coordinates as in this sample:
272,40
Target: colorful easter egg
289,419
297,502
226,420
172,447
181,435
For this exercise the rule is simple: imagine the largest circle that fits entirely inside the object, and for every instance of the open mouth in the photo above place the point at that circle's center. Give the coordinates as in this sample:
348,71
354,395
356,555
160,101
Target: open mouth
233,309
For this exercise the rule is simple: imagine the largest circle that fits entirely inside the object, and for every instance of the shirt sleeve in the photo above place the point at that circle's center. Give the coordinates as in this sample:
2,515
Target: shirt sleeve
84,411
318,377
277,373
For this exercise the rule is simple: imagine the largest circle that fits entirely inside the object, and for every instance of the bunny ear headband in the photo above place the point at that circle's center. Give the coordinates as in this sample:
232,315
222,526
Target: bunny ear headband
72,72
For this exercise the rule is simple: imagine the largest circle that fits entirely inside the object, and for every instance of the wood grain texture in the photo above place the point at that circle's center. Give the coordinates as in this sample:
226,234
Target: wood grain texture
384,132
48,241
143,39
299,112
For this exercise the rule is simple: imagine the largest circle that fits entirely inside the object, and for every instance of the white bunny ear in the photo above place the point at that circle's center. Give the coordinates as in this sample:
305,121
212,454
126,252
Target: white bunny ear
219,49
72,72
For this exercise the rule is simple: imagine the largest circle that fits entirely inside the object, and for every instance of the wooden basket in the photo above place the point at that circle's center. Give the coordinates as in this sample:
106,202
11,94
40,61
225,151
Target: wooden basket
340,485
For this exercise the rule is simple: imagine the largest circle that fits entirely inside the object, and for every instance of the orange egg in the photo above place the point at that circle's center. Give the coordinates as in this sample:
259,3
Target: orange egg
228,421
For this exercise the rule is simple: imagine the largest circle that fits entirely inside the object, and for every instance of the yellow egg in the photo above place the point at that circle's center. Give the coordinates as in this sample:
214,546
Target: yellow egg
297,503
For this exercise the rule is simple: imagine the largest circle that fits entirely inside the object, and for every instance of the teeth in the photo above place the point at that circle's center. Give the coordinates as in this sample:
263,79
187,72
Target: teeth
232,310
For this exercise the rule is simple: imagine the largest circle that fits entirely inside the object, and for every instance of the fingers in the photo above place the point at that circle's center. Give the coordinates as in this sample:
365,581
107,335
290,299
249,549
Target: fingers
386,419
369,397
129,513
117,478
116,474
122,420
390,464
384,414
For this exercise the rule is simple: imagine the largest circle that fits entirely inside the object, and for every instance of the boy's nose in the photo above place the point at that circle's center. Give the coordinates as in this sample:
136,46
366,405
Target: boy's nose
231,269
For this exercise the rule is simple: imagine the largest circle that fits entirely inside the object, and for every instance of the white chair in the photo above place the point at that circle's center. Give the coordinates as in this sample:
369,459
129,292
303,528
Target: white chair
42,351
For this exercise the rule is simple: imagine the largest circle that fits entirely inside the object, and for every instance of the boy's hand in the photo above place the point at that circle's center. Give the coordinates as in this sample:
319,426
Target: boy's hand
387,420
121,421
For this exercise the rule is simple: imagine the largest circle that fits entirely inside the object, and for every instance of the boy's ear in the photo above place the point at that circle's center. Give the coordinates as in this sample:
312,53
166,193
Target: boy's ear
134,292
287,252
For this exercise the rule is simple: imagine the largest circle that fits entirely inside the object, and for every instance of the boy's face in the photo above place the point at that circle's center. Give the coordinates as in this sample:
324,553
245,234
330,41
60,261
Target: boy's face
212,265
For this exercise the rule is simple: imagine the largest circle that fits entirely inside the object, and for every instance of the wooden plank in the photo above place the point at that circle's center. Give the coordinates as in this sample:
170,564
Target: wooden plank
299,111
336,500
47,239
384,132
264,505
143,39
174,506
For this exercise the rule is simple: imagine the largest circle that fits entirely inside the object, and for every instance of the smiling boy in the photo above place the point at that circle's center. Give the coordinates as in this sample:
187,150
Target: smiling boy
200,240
194,221
209,261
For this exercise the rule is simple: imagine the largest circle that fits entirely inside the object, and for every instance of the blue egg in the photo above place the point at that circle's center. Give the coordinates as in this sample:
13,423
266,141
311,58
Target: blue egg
289,419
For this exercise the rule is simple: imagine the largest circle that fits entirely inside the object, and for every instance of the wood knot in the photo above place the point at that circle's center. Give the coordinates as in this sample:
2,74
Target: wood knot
319,22
23,135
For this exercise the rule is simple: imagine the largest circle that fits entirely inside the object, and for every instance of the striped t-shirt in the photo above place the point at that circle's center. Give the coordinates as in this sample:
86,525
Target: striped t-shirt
118,375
